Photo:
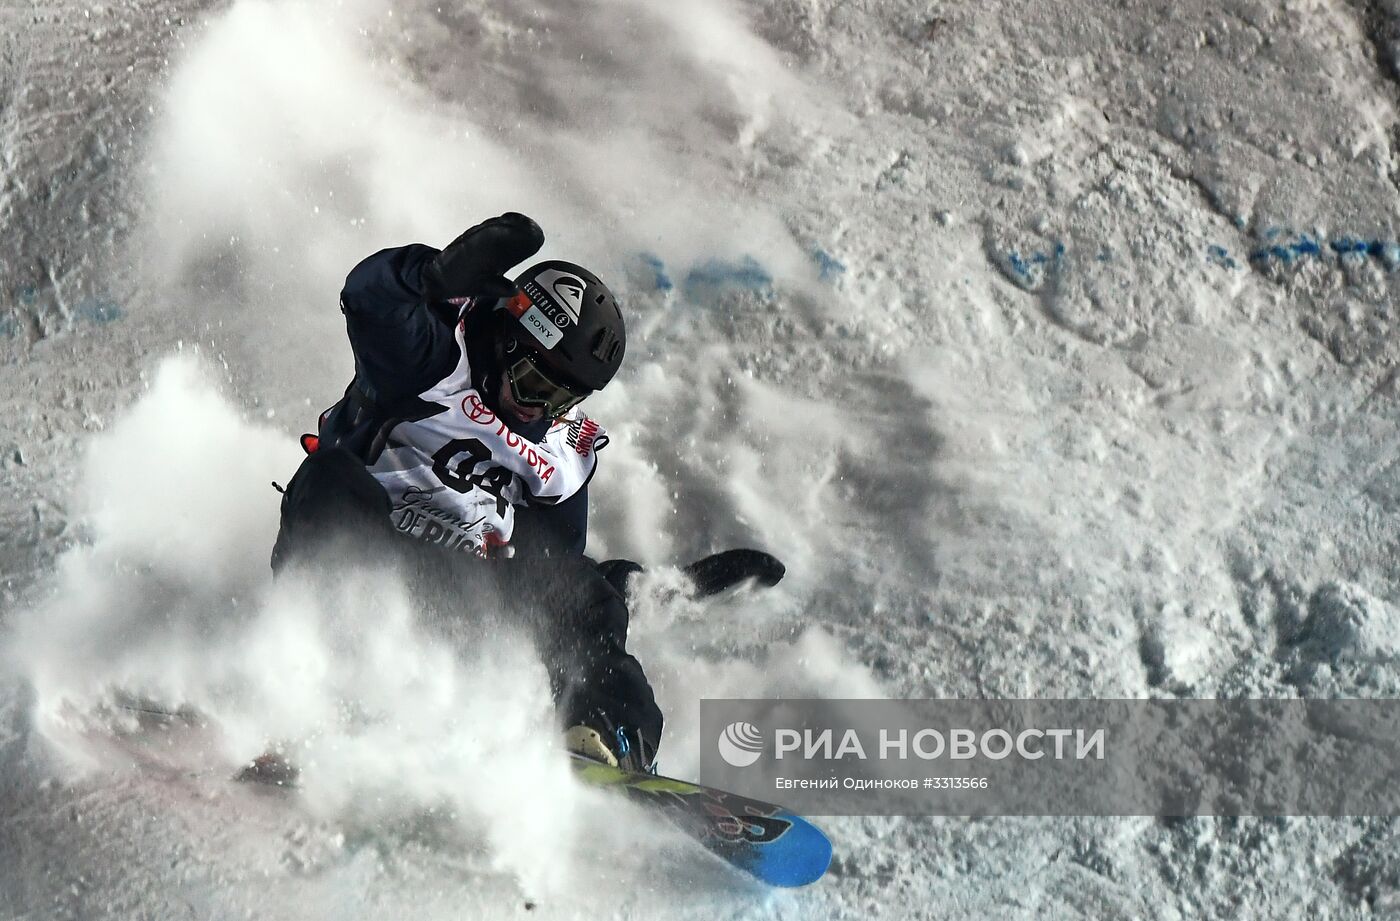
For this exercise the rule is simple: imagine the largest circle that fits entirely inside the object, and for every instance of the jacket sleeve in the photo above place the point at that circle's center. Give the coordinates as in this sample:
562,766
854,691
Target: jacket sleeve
401,348
552,530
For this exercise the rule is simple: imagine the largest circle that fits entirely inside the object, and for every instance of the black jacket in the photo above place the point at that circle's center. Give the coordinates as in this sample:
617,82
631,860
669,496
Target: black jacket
403,345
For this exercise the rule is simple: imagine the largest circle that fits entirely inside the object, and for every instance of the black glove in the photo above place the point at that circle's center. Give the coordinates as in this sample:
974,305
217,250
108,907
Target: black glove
724,570
713,574
617,572
474,264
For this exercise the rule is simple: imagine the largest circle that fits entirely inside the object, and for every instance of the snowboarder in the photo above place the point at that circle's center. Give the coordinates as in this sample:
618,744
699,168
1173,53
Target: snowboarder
459,449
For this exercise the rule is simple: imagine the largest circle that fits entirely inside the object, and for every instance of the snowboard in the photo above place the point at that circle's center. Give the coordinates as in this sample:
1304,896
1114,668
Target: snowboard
765,841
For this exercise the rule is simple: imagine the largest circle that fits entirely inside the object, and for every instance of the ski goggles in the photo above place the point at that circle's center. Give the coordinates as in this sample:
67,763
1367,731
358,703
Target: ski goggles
531,385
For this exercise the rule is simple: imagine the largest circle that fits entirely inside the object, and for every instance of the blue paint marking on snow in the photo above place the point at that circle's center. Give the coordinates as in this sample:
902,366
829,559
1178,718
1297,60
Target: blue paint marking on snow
98,310
661,279
25,296
1219,255
1347,246
1021,266
90,309
746,274
1308,246
828,265
1288,248
1028,268
1303,246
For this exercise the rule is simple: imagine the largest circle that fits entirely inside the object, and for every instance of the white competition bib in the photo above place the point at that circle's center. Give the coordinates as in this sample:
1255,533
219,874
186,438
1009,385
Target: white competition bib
455,478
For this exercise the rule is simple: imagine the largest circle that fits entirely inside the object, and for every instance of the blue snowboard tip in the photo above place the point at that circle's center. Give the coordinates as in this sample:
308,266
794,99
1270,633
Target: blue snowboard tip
798,858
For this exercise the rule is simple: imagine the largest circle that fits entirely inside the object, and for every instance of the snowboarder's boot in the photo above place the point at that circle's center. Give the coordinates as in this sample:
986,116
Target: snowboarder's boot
611,745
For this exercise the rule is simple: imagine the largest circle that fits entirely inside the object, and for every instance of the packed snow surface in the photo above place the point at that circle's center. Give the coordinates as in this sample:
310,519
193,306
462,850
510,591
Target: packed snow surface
1051,344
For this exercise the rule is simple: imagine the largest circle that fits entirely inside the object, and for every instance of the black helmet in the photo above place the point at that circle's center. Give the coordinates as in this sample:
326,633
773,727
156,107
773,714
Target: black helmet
571,321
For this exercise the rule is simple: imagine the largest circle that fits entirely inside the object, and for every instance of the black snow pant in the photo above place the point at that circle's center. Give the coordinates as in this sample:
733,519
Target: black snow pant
334,513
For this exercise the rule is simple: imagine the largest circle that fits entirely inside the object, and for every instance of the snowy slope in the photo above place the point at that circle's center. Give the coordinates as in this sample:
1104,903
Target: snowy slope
1051,344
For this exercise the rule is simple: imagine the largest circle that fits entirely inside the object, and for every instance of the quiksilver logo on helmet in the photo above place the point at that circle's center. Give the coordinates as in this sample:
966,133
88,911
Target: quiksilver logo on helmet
566,290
